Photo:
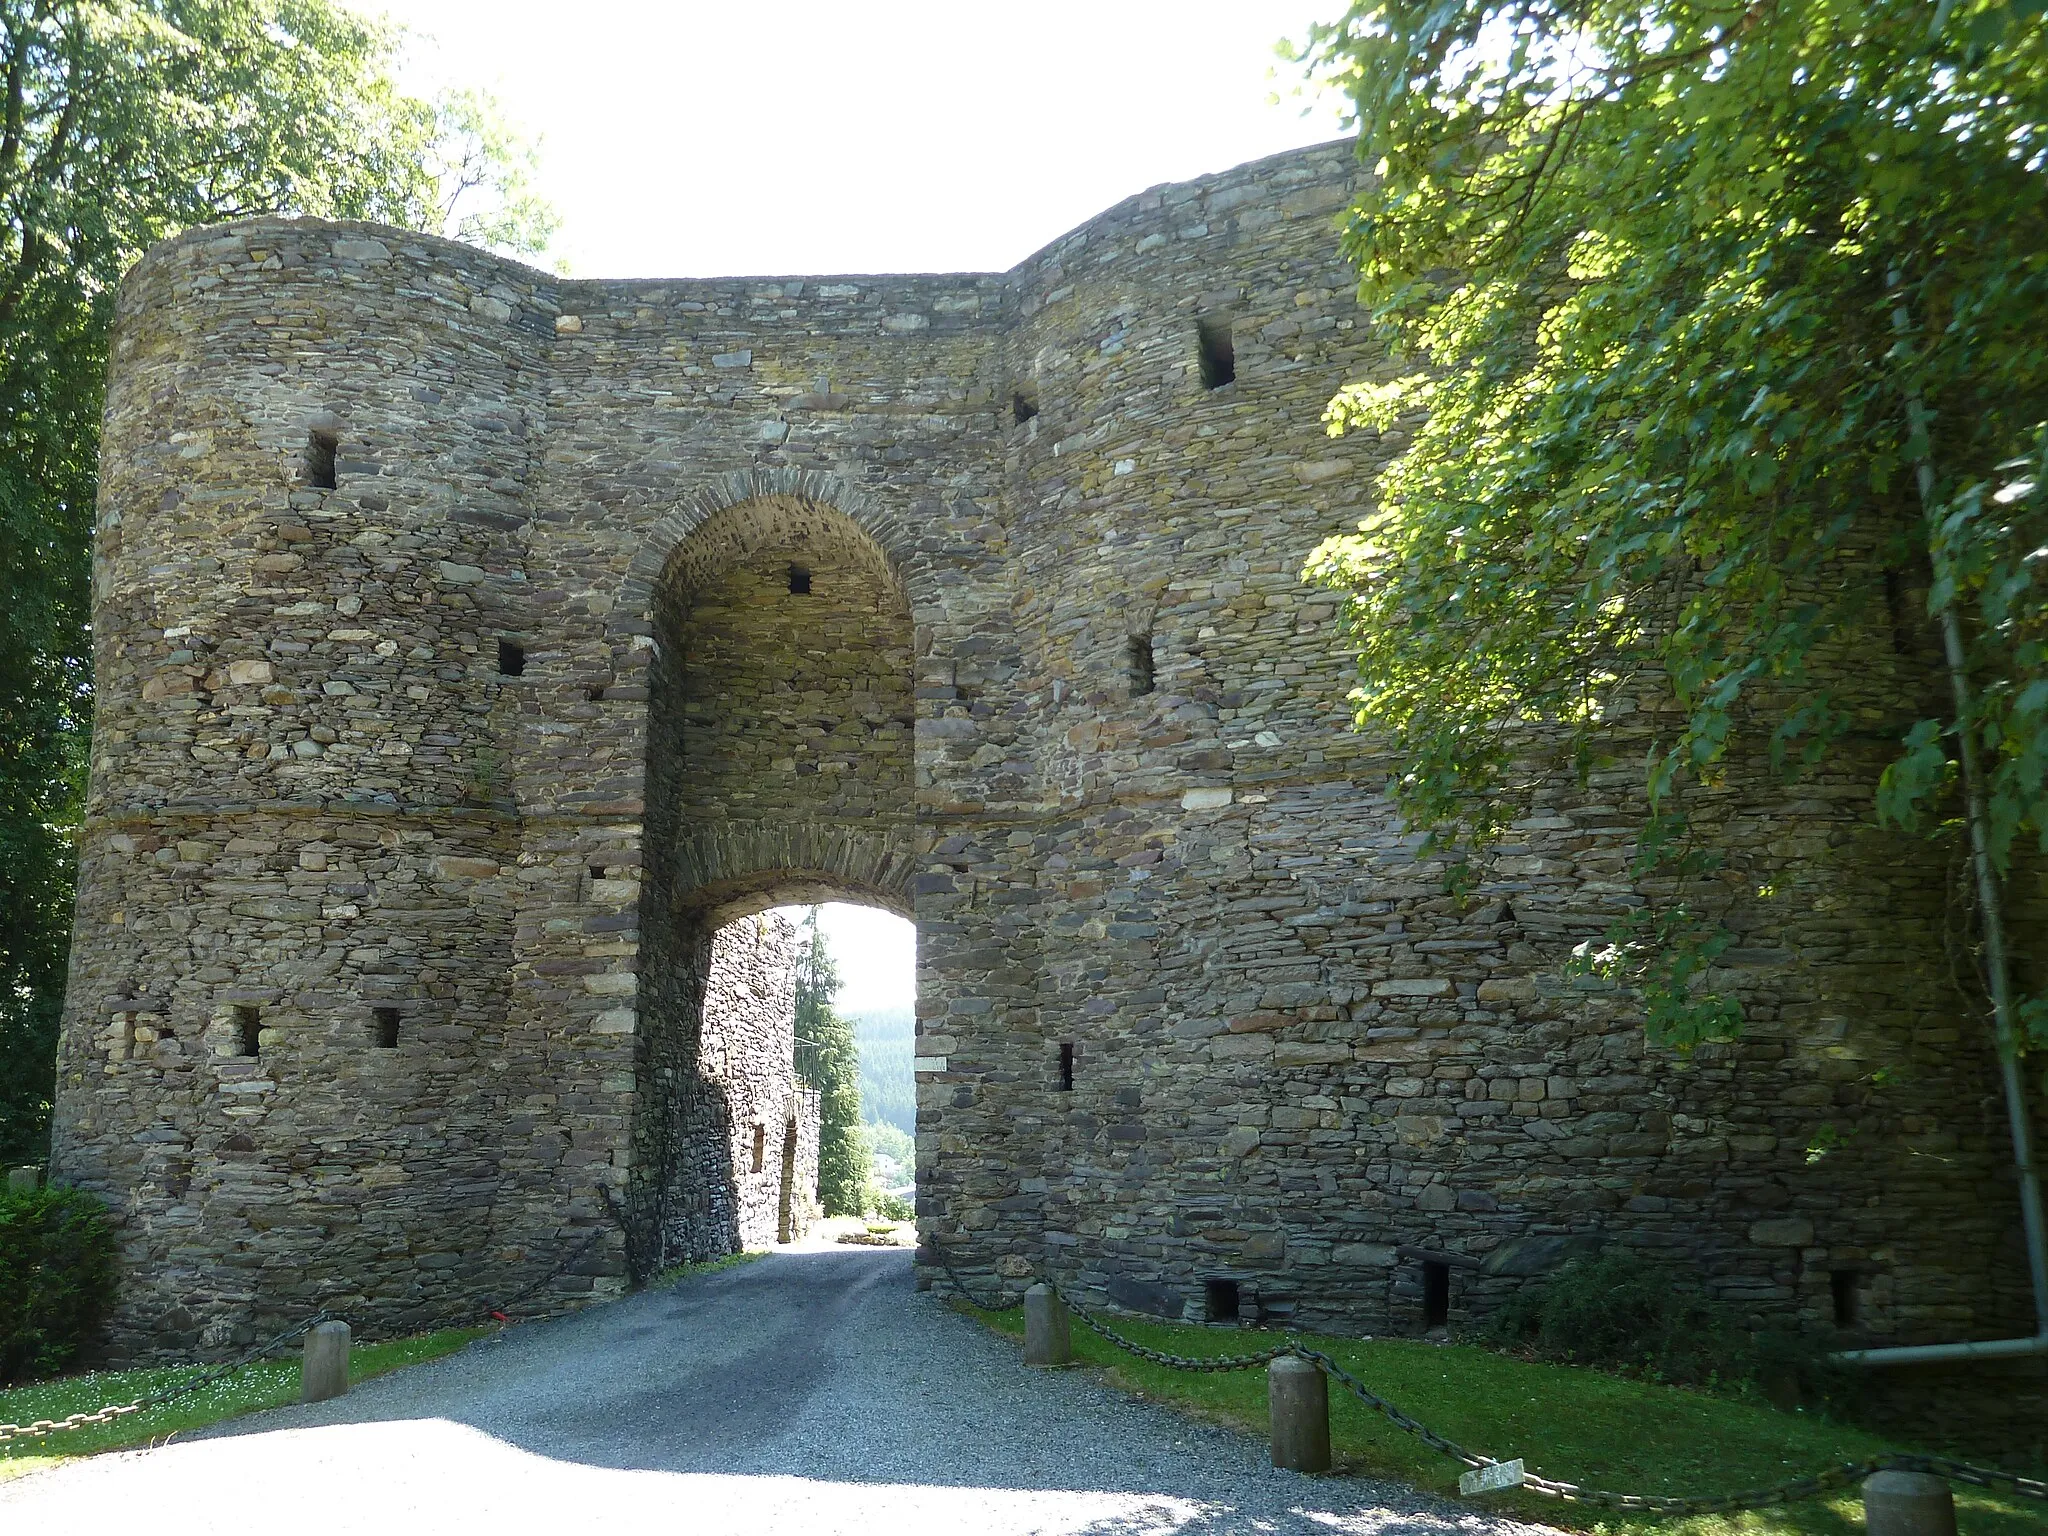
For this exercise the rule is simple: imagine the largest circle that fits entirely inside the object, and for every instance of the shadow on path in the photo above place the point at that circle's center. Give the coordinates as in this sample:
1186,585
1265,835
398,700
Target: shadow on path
807,1391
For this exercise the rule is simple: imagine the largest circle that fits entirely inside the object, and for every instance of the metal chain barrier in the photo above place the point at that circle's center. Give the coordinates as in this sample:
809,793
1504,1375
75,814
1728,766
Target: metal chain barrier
191,1384
961,1286
213,1373
1791,1491
1160,1356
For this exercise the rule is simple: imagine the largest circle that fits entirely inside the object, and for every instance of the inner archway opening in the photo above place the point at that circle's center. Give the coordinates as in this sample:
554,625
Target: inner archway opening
856,1007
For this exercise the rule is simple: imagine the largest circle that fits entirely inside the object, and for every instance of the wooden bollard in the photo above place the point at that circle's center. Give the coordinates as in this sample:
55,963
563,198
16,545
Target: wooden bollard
1298,1404
1908,1504
1046,1339
325,1372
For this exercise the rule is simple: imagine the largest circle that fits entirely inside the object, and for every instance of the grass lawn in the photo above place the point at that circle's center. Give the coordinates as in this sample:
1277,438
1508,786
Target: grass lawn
1577,1425
266,1384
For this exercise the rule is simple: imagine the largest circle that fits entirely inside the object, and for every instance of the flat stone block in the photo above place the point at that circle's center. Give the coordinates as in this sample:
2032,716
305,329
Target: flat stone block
1908,1504
1046,1337
325,1373
1298,1404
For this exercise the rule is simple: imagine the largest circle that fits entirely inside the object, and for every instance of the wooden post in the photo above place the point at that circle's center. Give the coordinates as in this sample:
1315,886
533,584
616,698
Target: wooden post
325,1373
1046,1338
1908,1504
1298,1404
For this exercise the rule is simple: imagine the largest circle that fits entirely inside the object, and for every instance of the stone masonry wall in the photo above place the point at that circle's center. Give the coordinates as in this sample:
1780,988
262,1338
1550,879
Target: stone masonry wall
1057,691
732,1103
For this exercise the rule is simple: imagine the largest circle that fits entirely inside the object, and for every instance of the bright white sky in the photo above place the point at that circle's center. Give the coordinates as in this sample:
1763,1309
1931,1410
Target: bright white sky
692,139
876,953
695,139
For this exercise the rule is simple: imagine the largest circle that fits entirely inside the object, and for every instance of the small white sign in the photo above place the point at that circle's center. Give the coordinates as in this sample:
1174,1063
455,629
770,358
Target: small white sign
1502,1474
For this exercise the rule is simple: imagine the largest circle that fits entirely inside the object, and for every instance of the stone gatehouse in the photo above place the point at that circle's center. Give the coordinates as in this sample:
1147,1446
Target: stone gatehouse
476,646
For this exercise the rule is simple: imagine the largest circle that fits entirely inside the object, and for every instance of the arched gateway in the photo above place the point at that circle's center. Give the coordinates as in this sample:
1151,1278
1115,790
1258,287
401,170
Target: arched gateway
473,643
779,728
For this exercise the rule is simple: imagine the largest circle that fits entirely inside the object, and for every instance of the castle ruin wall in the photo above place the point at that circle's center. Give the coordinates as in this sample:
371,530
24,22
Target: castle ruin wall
1193,1005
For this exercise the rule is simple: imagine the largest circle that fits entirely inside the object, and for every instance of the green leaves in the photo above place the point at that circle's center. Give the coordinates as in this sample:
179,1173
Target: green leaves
1643,264
828,1058
57,1276
122,122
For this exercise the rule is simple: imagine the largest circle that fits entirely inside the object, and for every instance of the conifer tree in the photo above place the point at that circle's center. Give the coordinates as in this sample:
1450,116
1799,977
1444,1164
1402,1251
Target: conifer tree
828,1060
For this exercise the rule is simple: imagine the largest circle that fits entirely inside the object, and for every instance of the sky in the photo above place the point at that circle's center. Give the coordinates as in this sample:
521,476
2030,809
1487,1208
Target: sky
876,953
688,139
703,140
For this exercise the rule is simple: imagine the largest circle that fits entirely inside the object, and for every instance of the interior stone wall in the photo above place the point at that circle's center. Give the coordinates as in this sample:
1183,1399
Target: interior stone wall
720,1064
1300,1065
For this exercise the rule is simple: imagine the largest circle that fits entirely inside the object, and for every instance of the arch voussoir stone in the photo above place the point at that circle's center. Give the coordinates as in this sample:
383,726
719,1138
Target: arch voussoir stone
722,870
725,492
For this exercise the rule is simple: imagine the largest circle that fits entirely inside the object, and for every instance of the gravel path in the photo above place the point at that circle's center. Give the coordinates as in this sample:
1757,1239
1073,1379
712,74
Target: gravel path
811,1391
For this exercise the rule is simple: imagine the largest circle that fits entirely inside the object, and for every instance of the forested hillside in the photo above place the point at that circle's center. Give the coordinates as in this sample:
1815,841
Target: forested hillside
886,1089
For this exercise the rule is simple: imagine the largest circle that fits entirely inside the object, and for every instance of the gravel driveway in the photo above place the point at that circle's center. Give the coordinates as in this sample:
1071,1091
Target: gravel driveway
812,1392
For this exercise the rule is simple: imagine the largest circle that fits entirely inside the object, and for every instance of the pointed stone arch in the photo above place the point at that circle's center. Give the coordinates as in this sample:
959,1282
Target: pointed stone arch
780,739
890,537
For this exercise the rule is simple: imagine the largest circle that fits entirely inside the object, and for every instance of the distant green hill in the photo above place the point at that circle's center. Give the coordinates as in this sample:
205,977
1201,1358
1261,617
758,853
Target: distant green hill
887,1090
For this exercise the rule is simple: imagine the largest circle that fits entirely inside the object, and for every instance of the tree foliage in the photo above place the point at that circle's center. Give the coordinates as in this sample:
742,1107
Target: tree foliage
829,1060
1711,313
57,1278
121,122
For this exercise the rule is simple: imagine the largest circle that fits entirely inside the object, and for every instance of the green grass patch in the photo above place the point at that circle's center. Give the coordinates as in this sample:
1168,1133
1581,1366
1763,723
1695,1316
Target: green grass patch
266,1384
676,1272
1566,1422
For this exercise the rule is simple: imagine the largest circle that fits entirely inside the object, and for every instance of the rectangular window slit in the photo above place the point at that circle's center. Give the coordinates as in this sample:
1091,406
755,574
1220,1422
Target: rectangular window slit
1142,679
799,581
1219,357
320,448
760,1147
597,871
511,659
1066,1066
248,1031
1023,407
1219,1300
1436,1293
1847,1286
385,1028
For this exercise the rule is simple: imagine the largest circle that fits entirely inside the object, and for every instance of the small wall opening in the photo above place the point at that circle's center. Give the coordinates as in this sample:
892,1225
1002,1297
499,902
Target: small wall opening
1436,1293
785,1208
384,1028
1140,664
248,1031
1066,1066
1218,355
1219,1300
511,659
760,1148
1023,406
320,447
594,693
1847,1287
800,581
